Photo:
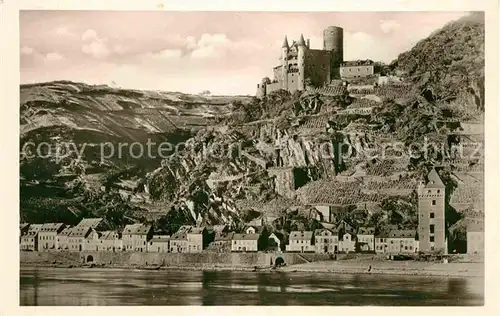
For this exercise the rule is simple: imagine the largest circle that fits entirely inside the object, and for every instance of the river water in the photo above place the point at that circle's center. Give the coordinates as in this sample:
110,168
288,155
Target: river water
58,286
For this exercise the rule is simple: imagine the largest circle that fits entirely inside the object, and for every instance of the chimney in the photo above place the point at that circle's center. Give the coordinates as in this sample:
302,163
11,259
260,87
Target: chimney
308,44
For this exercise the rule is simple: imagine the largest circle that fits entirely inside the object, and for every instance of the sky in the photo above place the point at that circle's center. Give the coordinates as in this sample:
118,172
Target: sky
226,53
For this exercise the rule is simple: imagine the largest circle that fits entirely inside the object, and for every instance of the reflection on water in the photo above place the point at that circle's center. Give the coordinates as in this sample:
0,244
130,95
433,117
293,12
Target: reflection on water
45,286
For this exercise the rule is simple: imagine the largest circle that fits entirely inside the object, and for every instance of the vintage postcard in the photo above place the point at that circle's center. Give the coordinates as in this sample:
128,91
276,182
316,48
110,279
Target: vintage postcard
251,157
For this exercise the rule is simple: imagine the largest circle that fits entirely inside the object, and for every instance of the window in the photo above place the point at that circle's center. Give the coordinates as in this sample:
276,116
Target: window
438,191
431,238
433,202
432,248
431,215
431,228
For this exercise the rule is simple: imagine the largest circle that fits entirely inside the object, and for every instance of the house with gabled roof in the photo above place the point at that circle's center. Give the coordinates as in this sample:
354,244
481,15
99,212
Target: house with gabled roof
326,241
159,243
381,245
475,237
179,241
366,239
300,241
110,240
76,237
62,239
401,241
245,242
47,236
347,242
29,241
136,236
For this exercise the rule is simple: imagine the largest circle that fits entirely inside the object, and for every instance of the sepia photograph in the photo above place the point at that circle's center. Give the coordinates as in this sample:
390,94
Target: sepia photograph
251,158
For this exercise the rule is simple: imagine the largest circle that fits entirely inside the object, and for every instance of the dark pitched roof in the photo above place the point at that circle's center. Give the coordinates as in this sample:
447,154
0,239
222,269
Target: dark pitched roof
160,238
301,235
366,231
80,231
353,63
65,232
90,222
137,229
246,236
401,234
34,229
221,236
52,227
109,235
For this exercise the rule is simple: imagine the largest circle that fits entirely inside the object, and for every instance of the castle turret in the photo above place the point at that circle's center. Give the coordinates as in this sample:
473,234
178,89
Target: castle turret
301,46
284,64
431,214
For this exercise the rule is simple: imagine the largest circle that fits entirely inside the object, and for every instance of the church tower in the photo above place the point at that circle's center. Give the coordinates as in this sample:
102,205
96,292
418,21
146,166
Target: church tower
284,64
301,55
431,214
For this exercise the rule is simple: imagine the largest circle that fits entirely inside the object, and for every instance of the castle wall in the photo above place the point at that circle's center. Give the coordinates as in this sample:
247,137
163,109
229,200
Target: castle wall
293,82
273,87
277,73
318,66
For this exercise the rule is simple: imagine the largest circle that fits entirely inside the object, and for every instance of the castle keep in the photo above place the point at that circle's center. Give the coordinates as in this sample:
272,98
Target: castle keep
301,66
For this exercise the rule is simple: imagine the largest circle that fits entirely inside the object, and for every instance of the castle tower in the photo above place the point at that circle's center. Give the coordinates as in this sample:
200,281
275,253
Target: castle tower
333,41
301,46
284,63
431,214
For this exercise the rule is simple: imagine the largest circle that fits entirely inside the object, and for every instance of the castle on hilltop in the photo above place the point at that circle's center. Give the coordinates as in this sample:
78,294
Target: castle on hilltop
301,66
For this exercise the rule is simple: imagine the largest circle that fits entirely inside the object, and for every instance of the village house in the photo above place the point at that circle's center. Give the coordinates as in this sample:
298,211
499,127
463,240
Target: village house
401,241
347,243
196,237
381,245
110,240
273,242
475,238
300,241
222,241
47,236
179,241
91,241
29,241
366,239
251,230
257,222
136,236
326,241
245,242
62,239
159,243
23,229
76,237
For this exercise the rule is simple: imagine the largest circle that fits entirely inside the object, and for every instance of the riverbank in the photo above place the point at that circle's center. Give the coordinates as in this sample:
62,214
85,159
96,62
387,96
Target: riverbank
454,269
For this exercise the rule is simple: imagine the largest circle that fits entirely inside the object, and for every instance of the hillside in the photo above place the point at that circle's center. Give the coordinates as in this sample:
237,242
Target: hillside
281,158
